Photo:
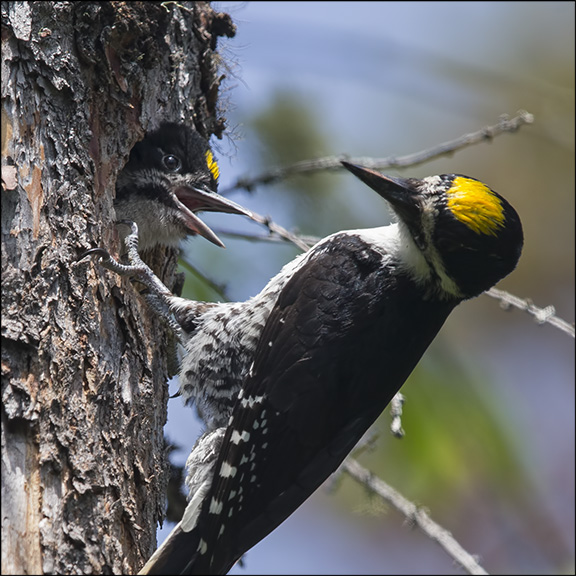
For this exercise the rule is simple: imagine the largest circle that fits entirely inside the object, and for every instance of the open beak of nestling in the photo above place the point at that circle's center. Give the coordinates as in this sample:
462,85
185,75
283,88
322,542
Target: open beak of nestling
191,200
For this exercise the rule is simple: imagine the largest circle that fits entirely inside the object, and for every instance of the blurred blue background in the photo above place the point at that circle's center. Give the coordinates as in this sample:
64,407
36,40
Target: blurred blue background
489,418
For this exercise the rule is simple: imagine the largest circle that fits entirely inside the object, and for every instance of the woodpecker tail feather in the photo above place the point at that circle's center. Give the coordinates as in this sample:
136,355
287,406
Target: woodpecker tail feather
178,552
174,553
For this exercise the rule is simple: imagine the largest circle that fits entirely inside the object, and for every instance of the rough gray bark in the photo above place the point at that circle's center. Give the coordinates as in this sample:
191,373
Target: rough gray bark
84,361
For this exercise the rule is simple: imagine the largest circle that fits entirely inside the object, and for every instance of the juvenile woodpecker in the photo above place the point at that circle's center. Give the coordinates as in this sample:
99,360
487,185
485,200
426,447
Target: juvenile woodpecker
288,381
170,175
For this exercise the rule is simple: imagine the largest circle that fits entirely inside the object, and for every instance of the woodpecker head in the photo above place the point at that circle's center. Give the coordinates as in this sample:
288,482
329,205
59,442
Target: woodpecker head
469,235
170,176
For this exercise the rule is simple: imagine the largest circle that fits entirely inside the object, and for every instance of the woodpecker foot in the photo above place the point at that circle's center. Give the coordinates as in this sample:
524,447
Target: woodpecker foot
137,268
159,296
109,262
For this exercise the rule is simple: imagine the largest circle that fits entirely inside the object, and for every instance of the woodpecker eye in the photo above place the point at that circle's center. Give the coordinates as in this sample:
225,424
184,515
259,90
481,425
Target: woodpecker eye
171,163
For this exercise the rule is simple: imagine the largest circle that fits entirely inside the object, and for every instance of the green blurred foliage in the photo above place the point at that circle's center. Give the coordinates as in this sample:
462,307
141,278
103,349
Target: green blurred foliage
288,131
454,432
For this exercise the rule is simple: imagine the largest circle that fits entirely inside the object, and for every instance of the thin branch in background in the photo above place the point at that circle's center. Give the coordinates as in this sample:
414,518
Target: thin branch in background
271,237
541,315
279,230
505,124
414,513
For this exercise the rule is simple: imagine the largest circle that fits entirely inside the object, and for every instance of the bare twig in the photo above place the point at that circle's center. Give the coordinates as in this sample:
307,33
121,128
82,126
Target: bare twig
541,315
505,124
271,237
280,231
415,514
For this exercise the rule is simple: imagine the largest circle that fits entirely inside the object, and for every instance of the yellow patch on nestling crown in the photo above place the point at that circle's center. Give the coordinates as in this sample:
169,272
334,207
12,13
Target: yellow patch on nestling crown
475,205
212,165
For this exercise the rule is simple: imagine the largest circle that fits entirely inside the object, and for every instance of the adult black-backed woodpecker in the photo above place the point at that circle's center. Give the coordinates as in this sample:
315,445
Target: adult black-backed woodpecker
170,175
288,381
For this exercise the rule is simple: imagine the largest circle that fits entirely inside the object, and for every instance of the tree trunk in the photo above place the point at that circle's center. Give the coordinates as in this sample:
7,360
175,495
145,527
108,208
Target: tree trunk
84,360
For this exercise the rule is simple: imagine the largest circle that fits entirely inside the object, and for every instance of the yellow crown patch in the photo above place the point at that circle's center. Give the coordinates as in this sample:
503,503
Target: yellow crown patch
475,205
212,165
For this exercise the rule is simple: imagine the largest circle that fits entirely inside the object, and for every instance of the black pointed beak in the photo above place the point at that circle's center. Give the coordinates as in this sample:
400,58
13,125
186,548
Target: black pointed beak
401,193
191,200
